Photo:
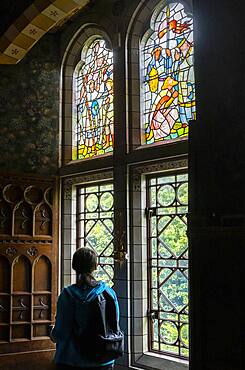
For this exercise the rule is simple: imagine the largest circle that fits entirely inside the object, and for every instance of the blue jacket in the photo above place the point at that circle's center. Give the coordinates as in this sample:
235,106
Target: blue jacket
69,304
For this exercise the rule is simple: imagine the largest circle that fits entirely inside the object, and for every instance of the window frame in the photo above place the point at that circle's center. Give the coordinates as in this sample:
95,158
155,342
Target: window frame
148,179
69,218
72,61
141,356
142,44
127,167
139,27
82,239
79,67
150,159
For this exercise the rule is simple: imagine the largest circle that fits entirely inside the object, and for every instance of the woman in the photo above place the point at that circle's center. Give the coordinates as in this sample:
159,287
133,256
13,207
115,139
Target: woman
72,312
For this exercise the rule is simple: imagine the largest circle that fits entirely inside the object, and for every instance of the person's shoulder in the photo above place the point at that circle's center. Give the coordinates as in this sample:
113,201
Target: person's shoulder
67,288
111,291
66,291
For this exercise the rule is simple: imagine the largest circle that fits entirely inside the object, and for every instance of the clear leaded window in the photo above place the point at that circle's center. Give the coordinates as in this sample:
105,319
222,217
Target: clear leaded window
167,207
168,89
94,116
95,215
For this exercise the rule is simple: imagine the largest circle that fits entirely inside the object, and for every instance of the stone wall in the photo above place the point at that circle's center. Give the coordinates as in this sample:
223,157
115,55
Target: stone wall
29,111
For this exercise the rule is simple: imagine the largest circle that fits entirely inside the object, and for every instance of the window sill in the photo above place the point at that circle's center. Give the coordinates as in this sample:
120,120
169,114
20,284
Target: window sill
87,164
150,360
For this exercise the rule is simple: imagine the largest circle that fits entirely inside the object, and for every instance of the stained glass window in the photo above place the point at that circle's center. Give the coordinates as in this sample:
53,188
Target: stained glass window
168,76
94,103
95,226
168,264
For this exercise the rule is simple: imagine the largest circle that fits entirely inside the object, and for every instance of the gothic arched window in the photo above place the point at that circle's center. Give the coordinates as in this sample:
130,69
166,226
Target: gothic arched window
168,89
129,198
93,112
88,133
162,104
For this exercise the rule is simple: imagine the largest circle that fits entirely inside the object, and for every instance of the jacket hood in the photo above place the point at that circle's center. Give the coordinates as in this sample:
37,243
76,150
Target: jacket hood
87,294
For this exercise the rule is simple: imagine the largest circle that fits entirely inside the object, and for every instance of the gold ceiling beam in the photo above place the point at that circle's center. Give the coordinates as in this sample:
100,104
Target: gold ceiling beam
34,22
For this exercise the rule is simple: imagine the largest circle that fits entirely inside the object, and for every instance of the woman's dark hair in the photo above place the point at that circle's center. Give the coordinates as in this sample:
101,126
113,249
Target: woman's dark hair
84,262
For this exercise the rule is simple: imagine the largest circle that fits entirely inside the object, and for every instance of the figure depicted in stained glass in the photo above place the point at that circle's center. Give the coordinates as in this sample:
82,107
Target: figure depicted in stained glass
108,114
95,103
169,91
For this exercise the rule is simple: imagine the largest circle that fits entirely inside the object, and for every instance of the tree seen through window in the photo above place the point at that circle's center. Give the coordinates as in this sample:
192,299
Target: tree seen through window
168,264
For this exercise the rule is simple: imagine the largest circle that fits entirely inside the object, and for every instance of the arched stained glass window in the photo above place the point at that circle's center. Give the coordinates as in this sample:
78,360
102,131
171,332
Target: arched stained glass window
93,125
168,77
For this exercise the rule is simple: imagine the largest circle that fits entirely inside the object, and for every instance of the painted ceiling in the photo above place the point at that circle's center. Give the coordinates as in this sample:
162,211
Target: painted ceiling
38,18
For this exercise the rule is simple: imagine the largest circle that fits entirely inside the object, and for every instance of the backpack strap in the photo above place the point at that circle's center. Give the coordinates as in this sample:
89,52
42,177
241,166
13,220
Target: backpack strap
108,313
102,312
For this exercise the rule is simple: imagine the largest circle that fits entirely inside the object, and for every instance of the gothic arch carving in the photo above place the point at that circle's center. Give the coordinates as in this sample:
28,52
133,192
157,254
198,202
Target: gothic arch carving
21,274
42,274
23,219
43,219
25,313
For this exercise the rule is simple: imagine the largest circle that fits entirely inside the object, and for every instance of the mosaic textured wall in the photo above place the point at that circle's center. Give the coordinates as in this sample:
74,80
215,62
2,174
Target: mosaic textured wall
29,111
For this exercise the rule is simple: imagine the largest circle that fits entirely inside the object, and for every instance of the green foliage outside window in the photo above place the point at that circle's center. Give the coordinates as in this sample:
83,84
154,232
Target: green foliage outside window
96,218
168,263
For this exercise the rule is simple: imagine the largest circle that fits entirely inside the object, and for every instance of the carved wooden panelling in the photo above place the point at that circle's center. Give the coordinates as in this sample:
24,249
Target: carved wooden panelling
28,260
5,218
43,220
25,210
42,269
21,274
4,275
22,219
4,307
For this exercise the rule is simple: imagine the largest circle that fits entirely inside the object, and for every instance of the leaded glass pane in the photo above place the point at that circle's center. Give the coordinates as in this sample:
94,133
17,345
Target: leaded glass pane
94,103
95,220
168,77
168,264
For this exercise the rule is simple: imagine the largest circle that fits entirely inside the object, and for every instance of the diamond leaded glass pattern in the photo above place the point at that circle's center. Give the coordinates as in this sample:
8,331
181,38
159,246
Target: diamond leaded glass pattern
167,198
168,88
95,221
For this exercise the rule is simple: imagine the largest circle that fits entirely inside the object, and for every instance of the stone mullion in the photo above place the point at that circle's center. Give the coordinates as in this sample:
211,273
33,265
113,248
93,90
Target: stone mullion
119,157
120,191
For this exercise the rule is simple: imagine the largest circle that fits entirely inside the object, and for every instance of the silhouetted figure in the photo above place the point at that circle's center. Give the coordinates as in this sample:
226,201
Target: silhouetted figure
75,319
